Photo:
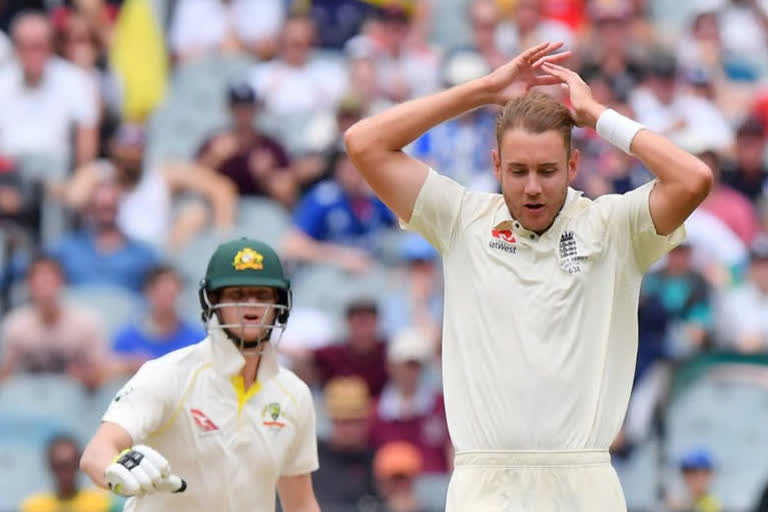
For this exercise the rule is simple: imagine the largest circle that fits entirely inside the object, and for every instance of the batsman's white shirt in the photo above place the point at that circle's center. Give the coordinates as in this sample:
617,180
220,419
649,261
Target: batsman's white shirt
229,444
539,332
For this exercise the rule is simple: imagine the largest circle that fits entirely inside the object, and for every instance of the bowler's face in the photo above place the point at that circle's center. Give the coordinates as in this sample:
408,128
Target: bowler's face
534,170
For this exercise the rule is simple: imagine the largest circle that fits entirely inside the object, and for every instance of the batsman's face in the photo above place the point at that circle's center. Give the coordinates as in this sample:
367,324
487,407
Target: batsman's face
534,170
249,308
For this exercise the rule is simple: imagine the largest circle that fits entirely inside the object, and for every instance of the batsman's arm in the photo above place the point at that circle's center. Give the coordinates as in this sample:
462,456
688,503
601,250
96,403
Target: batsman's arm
109,440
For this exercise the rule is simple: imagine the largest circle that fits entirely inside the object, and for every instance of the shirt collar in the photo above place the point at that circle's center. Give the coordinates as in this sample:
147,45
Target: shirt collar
228,360
503,218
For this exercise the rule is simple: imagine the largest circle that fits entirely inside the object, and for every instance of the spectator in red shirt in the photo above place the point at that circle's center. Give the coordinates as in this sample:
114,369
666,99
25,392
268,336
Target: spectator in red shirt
362,354
410,408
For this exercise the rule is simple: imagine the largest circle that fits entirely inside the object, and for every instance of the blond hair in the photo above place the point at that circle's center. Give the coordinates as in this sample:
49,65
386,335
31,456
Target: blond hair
535,112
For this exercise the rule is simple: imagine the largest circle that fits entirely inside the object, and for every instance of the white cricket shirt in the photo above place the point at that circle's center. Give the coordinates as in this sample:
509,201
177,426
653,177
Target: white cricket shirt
539,332
230,446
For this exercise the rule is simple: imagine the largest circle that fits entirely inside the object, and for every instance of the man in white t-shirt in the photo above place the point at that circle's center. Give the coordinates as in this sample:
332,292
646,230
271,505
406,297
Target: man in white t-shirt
541,284
43,98
230,423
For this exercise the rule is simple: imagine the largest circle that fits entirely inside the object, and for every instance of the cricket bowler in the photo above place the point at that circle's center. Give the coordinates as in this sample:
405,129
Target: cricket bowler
541,284
218,425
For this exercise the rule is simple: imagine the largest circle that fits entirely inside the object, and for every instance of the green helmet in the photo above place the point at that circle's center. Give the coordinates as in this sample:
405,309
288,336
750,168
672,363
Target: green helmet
245,262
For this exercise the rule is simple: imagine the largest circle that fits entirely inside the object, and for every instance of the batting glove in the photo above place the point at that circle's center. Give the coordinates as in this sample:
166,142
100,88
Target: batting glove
141,470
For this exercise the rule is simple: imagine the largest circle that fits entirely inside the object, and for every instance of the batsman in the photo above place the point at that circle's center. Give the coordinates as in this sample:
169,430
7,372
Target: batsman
218,425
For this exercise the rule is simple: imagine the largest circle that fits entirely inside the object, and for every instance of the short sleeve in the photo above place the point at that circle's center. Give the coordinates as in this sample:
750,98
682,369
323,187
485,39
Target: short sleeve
436,210
632,224
302,458
141,407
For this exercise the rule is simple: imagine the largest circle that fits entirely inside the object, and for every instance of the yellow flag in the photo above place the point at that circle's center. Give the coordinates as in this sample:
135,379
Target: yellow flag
140,59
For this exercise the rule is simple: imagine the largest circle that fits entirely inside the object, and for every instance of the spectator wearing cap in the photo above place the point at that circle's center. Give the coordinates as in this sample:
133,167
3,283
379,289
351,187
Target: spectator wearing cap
345,477
148,209
396,466
697,469
419,302
49,335
298,85
42,97
337,221
405,67
203,27
748,172
256,164
160,329
461,148
743,321
362,353
410,408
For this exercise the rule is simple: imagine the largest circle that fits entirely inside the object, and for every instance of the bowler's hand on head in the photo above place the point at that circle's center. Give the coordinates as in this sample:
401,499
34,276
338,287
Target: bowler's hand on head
522,73
586,110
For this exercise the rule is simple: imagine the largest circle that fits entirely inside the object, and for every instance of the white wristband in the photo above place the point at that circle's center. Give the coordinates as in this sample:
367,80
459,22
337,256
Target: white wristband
617,129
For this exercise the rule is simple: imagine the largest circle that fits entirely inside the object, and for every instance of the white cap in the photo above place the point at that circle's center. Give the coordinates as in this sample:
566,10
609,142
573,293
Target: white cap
411,344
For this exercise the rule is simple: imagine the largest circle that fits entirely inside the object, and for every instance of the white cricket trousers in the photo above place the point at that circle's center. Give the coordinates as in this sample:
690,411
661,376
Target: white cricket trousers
534,481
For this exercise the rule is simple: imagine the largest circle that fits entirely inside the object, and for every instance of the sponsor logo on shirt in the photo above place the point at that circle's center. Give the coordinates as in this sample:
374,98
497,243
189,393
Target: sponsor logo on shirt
270,415
202,421
503,240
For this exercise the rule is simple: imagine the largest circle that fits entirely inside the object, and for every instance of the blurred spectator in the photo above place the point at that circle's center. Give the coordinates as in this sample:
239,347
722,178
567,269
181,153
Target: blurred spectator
337,21
256,164
101,253
43,96
297,85
410,408
337,221
701,46
742,29
527,27
49,335
725,203
748,173
6,50
461,147
685,295
63,457
404,67
663,106
361,354
396,466
201,27
609,48
345,477
718,253
161,329
484,16
697,468
419,303
743,323
148,192
14,202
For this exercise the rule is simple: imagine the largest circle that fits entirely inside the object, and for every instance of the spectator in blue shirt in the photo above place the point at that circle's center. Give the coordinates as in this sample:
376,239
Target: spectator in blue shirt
160,330
100,253
337,221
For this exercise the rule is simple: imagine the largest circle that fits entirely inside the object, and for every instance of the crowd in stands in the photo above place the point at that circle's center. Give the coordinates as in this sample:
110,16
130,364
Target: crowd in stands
137,134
